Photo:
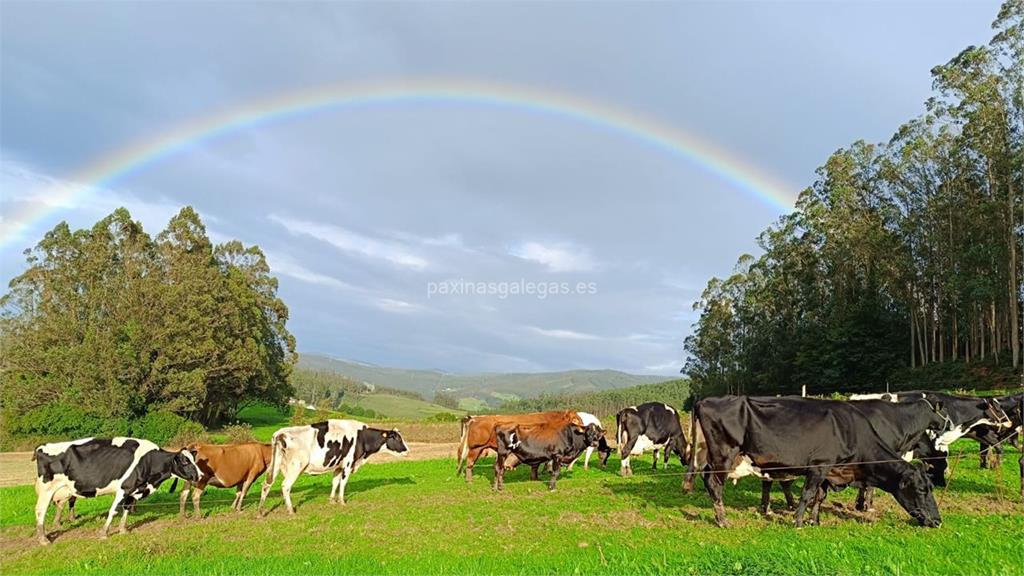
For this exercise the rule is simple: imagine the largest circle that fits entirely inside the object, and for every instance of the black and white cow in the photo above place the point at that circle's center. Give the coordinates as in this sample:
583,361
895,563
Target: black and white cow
653,425
602,448
982,419
336,446
535,444
736,436
128,468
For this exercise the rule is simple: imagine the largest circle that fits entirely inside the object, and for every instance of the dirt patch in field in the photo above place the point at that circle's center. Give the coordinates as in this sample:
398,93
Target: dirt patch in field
18,469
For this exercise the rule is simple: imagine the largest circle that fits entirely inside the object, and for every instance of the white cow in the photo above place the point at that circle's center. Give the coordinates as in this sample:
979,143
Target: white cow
336,446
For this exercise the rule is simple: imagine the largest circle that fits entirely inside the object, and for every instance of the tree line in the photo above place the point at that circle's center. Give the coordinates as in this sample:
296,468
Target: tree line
901,258
606,403
109,324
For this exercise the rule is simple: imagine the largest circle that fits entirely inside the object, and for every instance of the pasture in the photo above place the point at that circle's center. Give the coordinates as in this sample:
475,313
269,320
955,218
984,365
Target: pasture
417,517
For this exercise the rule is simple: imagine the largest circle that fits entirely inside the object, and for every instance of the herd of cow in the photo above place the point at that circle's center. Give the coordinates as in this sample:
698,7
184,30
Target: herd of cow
869,441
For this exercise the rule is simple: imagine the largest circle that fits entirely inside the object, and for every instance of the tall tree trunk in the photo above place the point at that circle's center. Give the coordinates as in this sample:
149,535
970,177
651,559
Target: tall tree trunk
993,333
1012,284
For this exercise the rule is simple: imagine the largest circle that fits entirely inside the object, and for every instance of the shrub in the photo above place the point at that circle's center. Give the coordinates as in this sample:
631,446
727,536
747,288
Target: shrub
63,420
300,416
187,436
443,417
160,427
239,433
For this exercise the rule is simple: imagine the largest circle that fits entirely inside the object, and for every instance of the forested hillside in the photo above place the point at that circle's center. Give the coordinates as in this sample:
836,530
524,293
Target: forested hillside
110,331
476,391
902,261
608,402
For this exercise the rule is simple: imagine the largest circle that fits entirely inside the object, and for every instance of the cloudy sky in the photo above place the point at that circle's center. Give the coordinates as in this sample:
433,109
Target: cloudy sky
575,149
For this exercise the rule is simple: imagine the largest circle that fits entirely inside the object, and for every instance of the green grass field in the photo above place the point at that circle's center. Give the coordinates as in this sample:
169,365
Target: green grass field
418,518
400,407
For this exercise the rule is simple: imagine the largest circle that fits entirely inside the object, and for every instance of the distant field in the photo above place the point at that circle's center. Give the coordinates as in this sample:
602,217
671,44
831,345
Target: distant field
399,407
265,420
417,517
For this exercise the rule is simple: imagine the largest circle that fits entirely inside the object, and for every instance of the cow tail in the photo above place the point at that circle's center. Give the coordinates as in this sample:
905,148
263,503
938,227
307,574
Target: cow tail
463,444
276,456
620,433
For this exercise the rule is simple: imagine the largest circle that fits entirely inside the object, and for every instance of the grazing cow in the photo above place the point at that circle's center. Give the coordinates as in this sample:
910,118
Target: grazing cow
478,433
904,427
231,466
128,468
336,446
970,416
535,444
603,449
653,425
819,439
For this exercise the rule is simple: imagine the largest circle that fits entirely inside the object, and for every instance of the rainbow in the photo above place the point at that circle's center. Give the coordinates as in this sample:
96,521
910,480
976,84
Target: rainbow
137,157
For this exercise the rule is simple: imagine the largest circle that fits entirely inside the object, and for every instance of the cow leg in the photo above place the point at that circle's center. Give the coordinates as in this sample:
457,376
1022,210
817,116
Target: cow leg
787,491
655,459
556,467
624,451
499,472
335,484
1021,462
118,497
44,494
245,490
586,458
809,493
533,472
818,499
666,453
59,504
122,528
290,476
197,493
182,497
474,455
714,482
865,499
341,484
766,494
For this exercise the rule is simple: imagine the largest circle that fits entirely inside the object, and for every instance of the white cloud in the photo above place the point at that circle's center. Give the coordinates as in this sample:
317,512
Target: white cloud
397,306
353,242
32,202
563,334
671,365
558,257
285,265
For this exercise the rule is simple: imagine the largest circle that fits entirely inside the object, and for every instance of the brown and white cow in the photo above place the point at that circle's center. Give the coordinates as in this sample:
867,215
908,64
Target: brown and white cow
230,466
478,433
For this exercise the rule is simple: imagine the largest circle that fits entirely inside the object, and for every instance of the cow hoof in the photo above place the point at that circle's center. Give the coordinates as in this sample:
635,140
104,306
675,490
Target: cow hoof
103,536
44,541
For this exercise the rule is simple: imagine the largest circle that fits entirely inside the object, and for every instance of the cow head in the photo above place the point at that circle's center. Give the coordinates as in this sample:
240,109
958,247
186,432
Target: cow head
914,493
592,434
373,440
183,465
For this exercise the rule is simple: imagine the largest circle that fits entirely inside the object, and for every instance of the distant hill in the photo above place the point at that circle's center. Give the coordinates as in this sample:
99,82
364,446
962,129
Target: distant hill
606,403
478,391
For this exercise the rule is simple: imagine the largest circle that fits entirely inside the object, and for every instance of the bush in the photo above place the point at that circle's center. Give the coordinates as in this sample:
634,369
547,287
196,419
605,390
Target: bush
66,421
160,427
239,433
443,417
300,416
187,437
